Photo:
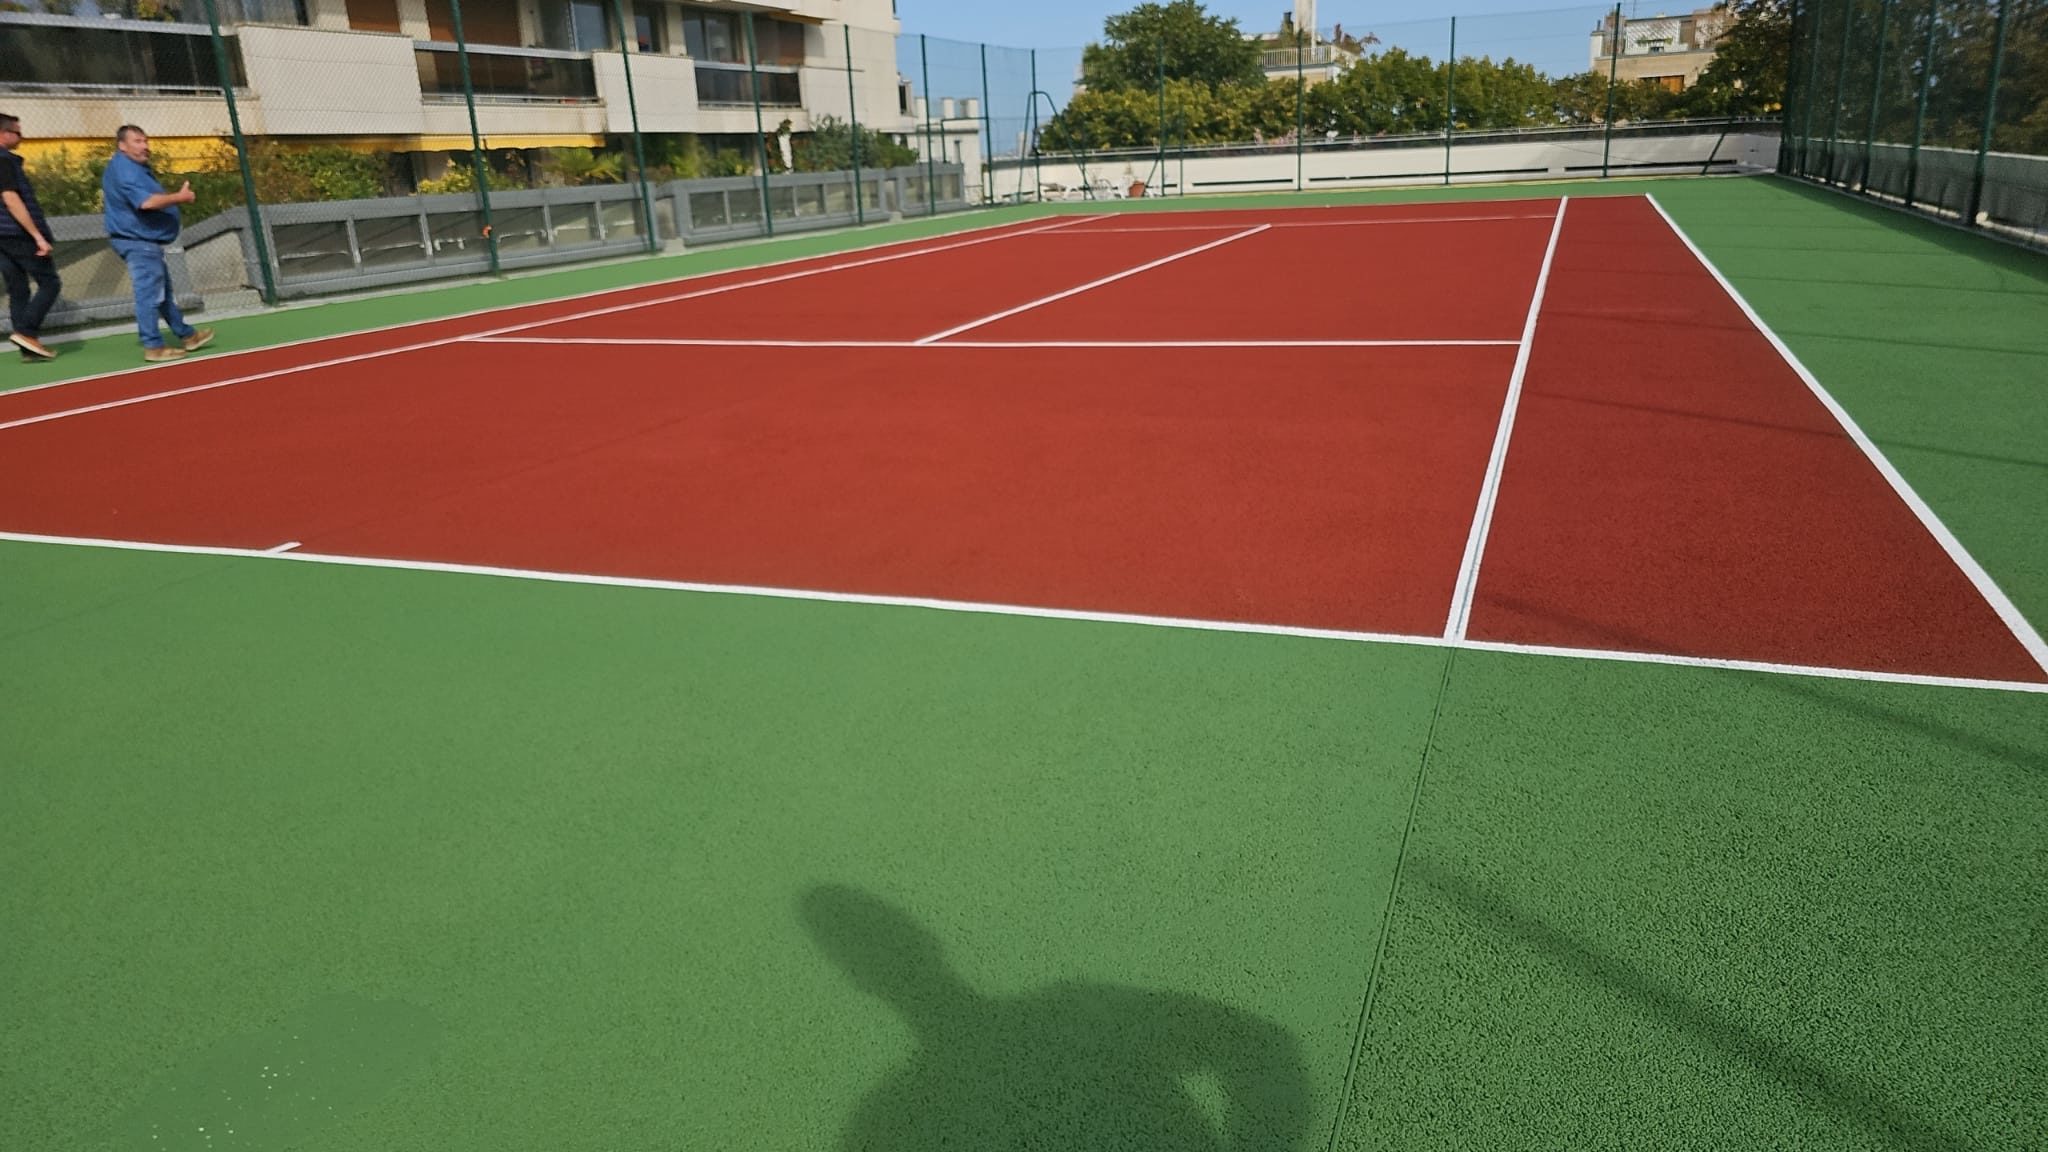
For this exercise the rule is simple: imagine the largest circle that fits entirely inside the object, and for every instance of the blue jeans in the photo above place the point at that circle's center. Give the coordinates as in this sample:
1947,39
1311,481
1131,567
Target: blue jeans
153,298
18,265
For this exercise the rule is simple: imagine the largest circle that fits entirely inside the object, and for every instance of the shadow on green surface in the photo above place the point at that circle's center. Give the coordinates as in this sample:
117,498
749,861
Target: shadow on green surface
1068,1066
1832,1091
2009,257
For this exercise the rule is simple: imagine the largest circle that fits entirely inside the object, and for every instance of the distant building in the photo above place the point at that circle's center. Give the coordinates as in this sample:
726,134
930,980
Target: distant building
1668,50
1300,48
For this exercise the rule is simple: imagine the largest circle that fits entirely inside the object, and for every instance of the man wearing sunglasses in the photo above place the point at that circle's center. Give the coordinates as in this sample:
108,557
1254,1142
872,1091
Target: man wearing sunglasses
24,249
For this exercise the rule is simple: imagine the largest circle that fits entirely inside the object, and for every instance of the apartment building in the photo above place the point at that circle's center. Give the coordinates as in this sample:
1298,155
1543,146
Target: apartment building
1302,49
385,75
1668,50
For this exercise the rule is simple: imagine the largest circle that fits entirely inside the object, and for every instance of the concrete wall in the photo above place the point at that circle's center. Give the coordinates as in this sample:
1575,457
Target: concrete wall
1414,161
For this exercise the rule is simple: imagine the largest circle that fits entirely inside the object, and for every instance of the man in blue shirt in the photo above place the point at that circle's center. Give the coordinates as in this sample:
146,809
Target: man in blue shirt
142,220
24,249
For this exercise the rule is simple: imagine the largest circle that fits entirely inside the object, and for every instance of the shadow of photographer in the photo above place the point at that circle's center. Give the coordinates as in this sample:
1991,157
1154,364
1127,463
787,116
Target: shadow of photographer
1071,1065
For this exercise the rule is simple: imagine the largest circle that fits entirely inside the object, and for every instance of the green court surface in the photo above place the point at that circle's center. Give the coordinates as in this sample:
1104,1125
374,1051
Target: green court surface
310,856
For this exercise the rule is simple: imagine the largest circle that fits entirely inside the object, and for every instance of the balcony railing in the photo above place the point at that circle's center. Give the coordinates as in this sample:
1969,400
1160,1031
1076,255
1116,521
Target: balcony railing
732,86
1314,56
506,75
111,57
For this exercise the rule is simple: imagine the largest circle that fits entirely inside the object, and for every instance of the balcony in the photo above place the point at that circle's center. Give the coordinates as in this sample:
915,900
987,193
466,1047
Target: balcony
506,75
105,56
1313,56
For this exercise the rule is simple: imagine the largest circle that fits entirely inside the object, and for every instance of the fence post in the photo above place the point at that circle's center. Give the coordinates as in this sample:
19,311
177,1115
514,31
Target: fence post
1613,72
1841,82
1884,21
1792,61
1037,165
1920,111
931,167
1159,54
477,168
860,192
1451,98
227,88
1990,113
639,149
988,132
760,128
1300,106
1812,82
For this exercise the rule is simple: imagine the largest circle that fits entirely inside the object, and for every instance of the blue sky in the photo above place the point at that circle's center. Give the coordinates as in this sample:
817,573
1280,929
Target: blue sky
1547,33
1554,38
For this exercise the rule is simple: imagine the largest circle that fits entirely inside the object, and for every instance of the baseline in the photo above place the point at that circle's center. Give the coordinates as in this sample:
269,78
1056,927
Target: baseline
1029,611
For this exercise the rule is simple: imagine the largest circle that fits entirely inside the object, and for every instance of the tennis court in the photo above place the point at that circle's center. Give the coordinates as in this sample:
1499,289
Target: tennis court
1385,674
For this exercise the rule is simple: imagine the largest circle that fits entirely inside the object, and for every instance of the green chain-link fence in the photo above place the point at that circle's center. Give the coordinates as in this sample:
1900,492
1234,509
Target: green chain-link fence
1155,108
1936,105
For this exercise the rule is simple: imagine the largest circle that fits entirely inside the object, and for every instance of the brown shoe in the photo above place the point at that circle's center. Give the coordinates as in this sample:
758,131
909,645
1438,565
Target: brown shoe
159,355
30,346
199,338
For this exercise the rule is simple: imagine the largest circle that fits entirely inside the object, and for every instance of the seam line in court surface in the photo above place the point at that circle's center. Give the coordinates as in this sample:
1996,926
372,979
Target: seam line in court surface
474,337
1379,953
1467,588
1033,612
2008,612
1092,284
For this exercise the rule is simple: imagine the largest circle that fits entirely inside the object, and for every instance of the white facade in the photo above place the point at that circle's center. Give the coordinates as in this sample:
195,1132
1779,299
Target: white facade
382,73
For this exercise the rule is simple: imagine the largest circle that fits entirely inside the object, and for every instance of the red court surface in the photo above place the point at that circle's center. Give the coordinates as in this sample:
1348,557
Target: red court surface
1675,487
1670,484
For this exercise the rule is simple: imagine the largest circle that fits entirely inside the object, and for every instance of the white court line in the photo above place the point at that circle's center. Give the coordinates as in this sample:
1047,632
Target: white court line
1027,611
2014,619
445,341
1489,492
666,342
217,353
799,274
1301,224
1092,285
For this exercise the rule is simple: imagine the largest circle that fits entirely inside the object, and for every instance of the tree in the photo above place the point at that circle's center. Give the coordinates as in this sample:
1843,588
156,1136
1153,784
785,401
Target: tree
1197,46
828,147
1747,75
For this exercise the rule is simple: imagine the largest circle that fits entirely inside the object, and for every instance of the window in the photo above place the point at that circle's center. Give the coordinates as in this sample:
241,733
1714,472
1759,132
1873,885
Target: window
734,86
649,34
780,43
714,36
721,38
592,25
575,25
1668,83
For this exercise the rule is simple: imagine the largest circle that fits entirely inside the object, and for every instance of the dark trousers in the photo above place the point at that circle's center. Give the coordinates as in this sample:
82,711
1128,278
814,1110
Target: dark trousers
18,265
